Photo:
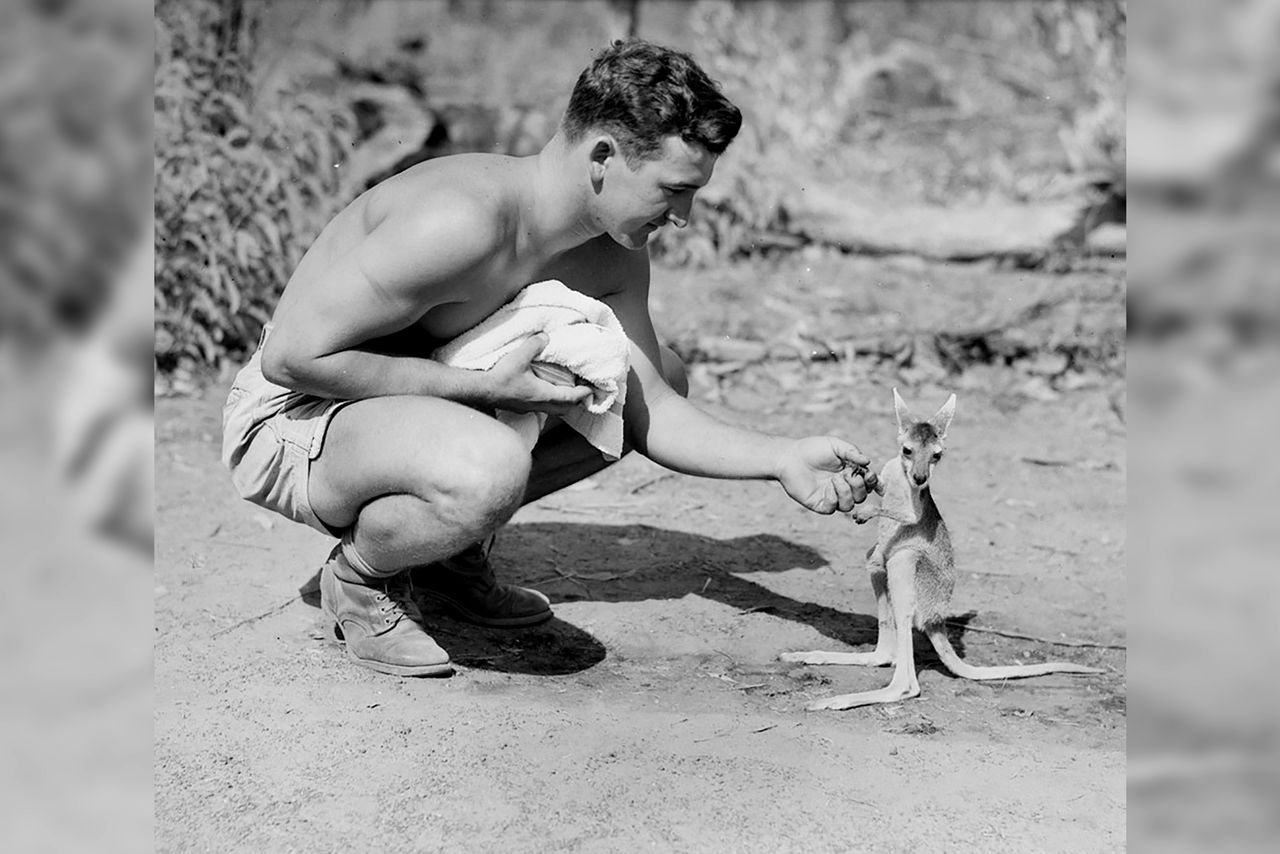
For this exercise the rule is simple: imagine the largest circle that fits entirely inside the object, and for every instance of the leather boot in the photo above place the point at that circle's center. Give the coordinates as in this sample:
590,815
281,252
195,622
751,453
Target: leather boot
467,586
374,617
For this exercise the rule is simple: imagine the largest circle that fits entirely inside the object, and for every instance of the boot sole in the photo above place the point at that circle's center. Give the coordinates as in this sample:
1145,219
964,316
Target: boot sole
445,669
488,622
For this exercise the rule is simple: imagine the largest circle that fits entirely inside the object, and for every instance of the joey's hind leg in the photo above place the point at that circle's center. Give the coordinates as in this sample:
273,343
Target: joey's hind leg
902,599
882,655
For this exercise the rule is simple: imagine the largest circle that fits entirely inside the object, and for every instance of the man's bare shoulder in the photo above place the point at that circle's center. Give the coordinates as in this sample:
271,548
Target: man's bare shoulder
466,201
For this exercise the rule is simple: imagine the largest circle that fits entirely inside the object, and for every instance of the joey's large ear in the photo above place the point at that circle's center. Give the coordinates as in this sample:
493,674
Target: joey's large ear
900,410
942,420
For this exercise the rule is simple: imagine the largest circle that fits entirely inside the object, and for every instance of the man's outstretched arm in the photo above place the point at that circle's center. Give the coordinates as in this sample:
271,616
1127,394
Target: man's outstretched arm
822,473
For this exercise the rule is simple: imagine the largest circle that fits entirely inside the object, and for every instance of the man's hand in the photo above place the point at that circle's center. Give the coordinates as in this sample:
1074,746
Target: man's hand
518,389
825,474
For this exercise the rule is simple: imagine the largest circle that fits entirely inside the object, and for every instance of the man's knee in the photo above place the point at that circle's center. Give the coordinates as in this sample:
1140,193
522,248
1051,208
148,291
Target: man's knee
485,483
674,370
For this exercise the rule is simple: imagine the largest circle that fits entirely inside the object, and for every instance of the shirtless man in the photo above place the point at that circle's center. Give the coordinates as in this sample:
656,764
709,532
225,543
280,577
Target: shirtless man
343,422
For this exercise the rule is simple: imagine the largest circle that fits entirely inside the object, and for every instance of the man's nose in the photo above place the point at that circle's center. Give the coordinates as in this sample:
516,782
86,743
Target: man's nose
678,213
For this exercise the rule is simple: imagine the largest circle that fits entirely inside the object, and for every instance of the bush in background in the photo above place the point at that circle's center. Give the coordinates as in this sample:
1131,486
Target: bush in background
242,188
947,104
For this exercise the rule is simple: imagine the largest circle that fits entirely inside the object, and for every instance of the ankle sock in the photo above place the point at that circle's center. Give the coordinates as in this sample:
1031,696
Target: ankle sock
358,563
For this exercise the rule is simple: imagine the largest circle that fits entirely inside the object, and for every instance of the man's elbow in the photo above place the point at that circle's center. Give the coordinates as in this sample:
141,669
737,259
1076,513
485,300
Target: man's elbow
279,368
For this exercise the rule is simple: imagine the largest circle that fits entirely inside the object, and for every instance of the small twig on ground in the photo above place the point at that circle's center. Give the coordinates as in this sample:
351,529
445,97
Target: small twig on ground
1055,549
726,655
650,482
608,576
1019,636
576,511
220,541
247,620
569,576
1040,461
594,509
1091,465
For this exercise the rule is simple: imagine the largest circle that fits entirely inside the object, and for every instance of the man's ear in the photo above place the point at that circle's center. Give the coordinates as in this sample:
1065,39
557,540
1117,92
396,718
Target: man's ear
603,148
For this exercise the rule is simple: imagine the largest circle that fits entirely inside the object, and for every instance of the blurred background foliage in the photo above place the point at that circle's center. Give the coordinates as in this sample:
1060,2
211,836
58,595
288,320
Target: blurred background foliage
270,117
74,161
242,184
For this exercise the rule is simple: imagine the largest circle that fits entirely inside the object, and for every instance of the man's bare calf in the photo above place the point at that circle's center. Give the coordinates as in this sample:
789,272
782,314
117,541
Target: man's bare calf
913,574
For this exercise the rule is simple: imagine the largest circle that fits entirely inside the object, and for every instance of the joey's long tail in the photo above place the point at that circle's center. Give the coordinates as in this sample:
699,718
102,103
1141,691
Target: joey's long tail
961,668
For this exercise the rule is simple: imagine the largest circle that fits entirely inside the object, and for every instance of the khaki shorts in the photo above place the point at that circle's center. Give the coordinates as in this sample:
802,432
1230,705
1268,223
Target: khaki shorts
270,435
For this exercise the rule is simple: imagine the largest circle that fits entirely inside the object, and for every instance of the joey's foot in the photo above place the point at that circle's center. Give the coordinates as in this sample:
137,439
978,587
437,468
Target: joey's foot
865,698
863,659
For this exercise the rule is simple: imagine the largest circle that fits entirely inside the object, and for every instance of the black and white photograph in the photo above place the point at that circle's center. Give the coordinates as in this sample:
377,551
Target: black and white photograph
592,381
638,425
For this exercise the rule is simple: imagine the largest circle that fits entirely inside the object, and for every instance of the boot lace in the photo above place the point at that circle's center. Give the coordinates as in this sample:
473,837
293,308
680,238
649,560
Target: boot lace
395,599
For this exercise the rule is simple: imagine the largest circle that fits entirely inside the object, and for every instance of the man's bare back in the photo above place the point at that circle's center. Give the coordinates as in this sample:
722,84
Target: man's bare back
489,187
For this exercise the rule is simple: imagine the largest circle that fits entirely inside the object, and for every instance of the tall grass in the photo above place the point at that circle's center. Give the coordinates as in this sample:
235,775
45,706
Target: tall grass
242,188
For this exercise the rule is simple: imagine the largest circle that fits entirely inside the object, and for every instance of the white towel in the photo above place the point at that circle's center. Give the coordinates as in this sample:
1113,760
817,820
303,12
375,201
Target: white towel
583,335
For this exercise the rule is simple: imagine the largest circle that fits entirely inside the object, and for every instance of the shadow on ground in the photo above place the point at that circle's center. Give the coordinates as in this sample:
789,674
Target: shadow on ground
632,563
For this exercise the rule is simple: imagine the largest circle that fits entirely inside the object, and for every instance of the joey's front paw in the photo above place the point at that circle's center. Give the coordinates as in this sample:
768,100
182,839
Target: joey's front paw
862,515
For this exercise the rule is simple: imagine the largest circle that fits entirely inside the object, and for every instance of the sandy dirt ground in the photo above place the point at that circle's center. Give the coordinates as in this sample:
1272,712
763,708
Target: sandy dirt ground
652,713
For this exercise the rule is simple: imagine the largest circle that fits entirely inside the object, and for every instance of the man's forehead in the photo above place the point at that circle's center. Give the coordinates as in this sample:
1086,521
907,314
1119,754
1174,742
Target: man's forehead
683,162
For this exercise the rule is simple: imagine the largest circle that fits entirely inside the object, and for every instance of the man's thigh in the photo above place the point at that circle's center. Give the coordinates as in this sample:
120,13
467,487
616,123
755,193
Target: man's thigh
422,446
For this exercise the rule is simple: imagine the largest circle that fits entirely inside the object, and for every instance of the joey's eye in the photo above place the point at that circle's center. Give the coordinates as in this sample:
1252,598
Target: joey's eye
937,456
906,452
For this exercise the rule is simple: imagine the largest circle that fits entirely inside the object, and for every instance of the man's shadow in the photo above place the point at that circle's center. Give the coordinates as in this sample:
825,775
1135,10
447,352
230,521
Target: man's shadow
630,563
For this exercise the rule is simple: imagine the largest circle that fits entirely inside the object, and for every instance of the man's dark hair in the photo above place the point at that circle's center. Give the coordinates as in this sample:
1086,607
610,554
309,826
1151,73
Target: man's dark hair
642,93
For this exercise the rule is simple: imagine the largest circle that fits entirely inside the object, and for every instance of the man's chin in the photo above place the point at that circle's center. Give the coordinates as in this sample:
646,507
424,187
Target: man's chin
633,239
